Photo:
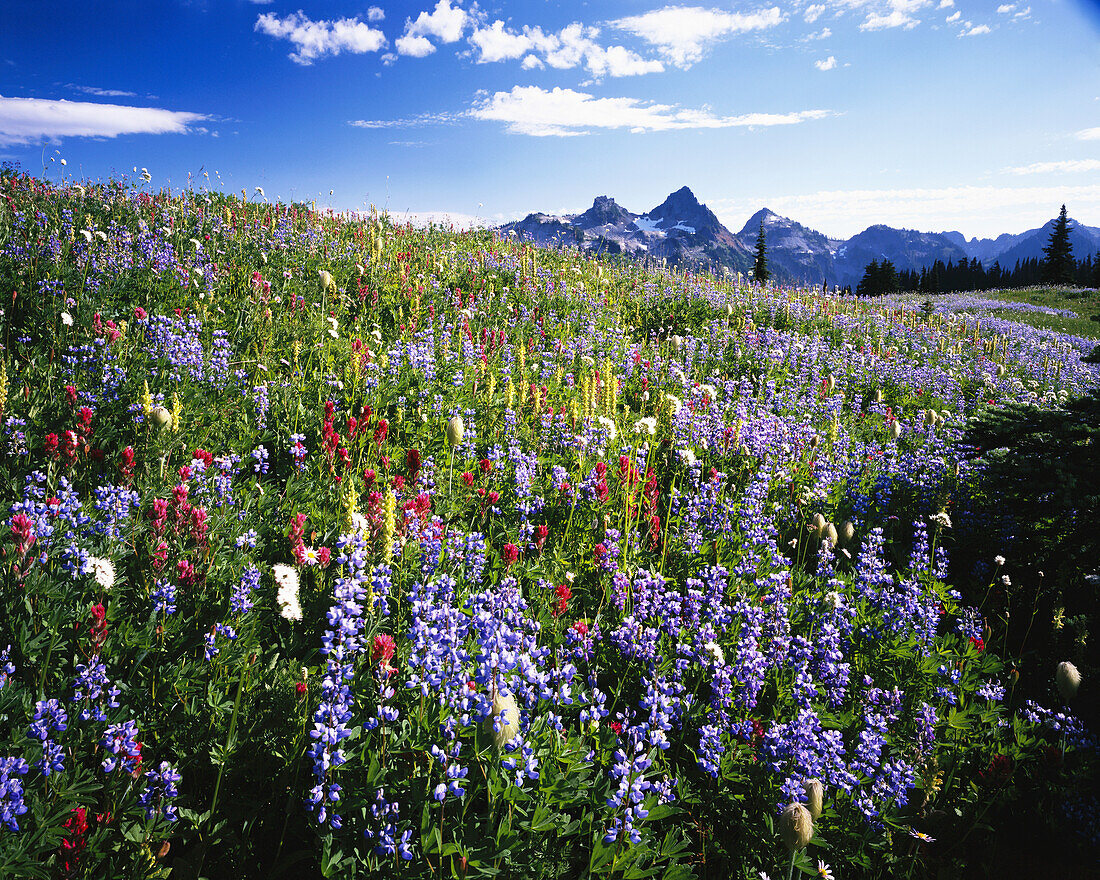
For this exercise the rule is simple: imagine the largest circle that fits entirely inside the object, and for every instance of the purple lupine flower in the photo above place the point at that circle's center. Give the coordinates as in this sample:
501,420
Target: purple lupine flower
160,788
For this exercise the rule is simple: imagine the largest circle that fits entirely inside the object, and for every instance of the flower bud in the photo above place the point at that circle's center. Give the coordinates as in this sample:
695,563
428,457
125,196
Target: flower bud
815,793
796,827
325,281
1068,680
456,429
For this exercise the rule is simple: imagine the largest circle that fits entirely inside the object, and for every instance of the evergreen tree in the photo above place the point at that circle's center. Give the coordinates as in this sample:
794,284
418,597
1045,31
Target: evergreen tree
1058,263
760,267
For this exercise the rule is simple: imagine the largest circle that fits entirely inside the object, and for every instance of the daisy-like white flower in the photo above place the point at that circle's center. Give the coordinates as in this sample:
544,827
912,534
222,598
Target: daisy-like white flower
310,556
824,871
103,570
921,836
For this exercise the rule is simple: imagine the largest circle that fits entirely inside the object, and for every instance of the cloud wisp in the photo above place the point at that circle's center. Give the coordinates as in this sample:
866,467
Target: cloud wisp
558,112
30,120
682,34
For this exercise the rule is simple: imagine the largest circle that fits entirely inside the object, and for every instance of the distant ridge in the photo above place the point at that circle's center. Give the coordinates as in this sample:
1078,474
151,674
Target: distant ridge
684,232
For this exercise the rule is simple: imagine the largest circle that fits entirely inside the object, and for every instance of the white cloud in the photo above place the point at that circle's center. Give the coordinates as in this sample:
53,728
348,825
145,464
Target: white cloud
531,62
415,47
495,43
946,4
891,14
1066,166
29,120
104,93
375,13
822,34
976,31
813,13
979,210
316,39
446,23
683,33
407,122
564,112
954,17
828,64
1089,134
572,46
1006,8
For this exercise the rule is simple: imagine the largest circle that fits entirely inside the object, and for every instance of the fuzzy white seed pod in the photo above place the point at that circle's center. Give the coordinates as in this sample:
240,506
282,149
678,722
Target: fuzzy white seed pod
830,534
325,281
815,795
895,429
509,724
817,525
847,532
1068,680
796,827
456,430
160,416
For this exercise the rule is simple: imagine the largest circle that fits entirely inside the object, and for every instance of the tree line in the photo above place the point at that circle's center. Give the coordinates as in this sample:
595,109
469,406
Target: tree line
1057,266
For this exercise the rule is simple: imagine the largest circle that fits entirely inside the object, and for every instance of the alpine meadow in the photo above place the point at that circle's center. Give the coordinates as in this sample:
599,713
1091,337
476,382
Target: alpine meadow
405,474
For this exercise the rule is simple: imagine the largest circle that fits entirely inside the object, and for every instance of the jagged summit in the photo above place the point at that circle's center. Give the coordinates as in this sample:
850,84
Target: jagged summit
604,211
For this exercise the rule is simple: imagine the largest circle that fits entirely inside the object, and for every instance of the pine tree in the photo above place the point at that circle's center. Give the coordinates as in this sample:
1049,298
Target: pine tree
760,267
1058,263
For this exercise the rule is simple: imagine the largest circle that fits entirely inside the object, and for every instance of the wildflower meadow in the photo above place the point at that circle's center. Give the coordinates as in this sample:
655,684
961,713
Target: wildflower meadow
337,547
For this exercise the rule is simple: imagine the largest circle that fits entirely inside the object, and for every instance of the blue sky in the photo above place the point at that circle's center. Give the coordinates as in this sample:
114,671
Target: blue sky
927,114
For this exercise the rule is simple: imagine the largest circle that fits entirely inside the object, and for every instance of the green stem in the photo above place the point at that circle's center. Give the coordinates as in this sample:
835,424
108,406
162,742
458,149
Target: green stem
229,740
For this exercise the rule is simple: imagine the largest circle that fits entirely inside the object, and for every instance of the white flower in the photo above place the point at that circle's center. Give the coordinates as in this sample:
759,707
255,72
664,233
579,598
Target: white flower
287,580
260,190
609,426
101,235
715,651
824,872
687,456
710,391
998,560
587,360
145,175
674,403
66,319
1005,580
647,425
103,569
87,233
942,520
332,330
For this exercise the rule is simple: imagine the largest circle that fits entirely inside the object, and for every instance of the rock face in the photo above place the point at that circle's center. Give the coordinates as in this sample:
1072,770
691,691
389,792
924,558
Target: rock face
686,233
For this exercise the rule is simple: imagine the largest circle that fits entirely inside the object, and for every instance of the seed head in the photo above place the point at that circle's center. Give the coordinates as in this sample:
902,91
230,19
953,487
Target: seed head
508,724
1068,680
456,429
796,827
815,793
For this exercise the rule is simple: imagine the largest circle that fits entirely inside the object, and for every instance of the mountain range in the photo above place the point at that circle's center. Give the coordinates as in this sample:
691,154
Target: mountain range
684,232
